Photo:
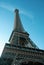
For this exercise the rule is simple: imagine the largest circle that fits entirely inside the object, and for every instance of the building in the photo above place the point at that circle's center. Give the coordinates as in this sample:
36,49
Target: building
21,50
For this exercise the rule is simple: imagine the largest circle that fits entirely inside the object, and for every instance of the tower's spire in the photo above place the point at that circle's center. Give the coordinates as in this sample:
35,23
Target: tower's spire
18,27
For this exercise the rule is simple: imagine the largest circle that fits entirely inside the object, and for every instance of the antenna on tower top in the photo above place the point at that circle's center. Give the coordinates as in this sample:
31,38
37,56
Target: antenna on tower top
16,11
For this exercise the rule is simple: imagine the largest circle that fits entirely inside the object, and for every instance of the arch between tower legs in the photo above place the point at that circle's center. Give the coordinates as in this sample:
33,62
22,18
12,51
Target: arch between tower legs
29,61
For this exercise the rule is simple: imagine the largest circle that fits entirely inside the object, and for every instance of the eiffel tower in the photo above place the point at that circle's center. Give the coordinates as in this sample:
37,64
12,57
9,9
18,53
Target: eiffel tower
21,50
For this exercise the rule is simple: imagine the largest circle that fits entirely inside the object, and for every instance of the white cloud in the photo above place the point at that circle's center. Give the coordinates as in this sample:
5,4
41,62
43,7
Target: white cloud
1,47
28,14
12,8
7,6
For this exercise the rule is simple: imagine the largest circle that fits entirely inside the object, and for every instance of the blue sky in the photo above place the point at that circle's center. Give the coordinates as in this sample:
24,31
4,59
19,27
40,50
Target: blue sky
32,17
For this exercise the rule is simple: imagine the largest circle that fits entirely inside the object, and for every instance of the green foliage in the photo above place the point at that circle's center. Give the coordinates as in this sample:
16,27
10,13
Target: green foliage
5,61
